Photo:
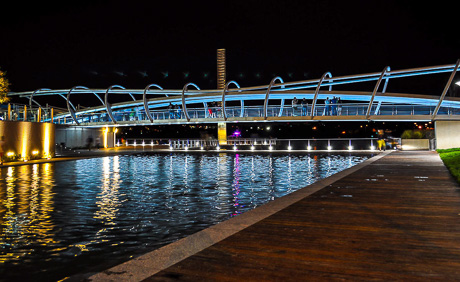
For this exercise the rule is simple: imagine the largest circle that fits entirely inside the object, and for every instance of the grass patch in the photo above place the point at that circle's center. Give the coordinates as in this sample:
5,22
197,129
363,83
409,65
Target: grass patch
451,159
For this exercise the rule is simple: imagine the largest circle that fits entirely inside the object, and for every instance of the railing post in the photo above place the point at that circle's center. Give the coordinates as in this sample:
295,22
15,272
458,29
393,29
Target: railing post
281,109
446,88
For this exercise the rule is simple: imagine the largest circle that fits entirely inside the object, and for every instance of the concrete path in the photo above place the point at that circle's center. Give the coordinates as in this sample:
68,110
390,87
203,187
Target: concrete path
394,217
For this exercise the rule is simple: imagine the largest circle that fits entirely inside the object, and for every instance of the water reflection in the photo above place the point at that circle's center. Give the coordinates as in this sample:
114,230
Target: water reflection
109,201
236,184
26,211
60,219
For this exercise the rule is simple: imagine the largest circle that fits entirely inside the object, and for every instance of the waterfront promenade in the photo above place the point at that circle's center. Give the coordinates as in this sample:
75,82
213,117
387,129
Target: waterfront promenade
394,217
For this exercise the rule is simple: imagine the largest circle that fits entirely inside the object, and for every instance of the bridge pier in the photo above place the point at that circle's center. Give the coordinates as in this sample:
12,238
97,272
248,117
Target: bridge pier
27,140
447,134
75,137
222,133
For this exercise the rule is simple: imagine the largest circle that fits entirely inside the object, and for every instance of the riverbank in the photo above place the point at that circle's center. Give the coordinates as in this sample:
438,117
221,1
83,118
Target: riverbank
69,155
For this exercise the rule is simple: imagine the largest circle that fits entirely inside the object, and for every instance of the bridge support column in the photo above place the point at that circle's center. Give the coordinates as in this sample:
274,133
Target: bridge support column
447,134
222,133
27,140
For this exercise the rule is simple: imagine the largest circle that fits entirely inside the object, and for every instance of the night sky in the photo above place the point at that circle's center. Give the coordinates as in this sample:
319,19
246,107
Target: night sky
135,43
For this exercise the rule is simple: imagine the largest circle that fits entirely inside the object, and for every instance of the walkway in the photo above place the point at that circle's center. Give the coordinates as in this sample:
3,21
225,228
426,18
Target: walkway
70,155
397,218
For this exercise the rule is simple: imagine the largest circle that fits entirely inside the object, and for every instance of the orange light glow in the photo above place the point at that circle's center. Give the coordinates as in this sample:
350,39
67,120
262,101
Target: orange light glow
106,131
25,136
46,140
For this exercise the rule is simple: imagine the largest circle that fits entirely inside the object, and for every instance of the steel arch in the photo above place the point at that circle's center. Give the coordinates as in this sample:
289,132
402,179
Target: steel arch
267,94
315,98
146,104
72,109
107,104
224,92
31,98
184,107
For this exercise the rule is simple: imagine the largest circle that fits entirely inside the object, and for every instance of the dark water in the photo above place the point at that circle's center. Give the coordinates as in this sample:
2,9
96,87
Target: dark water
59,219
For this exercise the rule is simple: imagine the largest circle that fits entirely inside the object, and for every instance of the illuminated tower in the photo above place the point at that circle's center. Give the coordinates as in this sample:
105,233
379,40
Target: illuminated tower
221,126
221,72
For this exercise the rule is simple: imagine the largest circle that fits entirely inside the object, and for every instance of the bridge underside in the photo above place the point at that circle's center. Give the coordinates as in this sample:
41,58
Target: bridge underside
378,118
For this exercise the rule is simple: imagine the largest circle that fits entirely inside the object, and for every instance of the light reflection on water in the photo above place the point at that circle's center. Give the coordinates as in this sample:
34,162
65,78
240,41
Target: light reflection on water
58,219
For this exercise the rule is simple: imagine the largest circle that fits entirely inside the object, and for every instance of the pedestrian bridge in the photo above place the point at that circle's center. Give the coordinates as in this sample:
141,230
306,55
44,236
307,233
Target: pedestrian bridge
153,105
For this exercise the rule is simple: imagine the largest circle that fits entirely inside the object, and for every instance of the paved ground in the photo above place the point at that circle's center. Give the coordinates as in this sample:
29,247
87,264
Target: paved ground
397,218
81,154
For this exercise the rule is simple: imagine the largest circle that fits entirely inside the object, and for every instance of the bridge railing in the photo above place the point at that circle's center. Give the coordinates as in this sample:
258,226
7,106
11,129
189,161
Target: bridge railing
344,109
254,144
265,93
21,112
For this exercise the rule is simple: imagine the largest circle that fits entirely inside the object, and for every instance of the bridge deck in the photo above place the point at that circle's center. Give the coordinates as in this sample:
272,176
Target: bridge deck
397,218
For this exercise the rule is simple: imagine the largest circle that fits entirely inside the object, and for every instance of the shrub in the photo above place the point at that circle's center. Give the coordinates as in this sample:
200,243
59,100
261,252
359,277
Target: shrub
413,134
407,134
417,134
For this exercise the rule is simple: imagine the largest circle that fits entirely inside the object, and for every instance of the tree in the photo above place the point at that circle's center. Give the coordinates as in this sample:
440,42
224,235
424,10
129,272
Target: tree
4,87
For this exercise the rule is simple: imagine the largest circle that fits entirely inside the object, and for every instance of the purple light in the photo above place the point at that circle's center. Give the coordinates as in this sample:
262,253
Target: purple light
236,133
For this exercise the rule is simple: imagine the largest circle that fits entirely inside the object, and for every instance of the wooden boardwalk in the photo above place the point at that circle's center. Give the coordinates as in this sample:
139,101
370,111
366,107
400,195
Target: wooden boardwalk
395,219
